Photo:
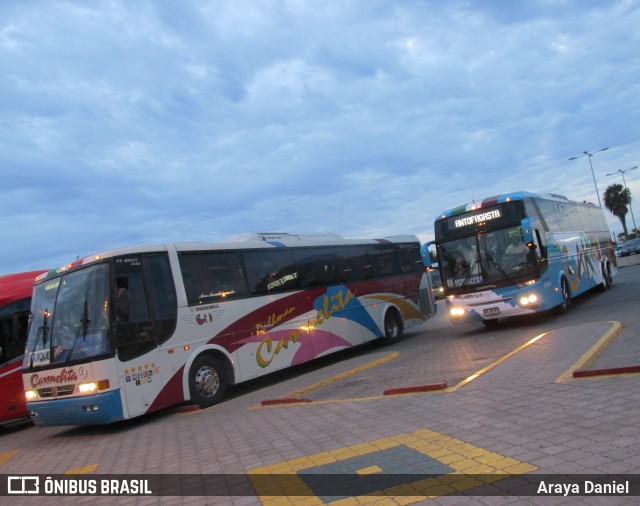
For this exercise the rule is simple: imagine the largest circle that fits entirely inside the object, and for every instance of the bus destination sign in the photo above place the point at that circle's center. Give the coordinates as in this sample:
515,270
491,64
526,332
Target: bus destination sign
478,218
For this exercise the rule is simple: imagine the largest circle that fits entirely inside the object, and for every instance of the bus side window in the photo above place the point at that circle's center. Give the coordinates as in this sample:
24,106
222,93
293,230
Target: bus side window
354,263
162,296
384,260
410,259
134,328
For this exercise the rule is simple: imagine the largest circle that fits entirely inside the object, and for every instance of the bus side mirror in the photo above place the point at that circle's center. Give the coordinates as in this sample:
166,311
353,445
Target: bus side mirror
424,253
527,233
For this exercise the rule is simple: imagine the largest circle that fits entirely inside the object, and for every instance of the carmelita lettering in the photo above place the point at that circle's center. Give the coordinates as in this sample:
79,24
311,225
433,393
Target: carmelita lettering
65,376
477,218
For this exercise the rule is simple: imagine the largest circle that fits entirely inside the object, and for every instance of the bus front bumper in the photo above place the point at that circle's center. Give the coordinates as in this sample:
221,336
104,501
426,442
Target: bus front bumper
90,410
492,311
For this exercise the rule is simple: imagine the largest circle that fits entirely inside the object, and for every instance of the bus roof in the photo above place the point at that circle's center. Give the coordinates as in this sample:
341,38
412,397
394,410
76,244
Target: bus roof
245,242
498,199
17,286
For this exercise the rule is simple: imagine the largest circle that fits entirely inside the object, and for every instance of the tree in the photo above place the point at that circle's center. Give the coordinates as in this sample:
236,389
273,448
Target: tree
617,199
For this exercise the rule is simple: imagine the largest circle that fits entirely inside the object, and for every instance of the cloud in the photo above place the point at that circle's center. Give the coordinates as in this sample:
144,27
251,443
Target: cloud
126,123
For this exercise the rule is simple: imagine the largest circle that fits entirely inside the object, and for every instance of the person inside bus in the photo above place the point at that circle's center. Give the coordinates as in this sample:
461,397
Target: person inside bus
516,247
64,332
122,301
460,267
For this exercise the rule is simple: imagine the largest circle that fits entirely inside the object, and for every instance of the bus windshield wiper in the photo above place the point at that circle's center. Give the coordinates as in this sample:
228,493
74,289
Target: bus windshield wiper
498,267
468,276
43,331
82,330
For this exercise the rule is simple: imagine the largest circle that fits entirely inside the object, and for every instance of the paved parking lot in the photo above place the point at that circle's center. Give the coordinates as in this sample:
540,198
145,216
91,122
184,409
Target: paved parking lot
506,403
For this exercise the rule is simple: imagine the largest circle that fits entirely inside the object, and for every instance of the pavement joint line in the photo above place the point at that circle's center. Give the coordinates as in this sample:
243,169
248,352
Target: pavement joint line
592,353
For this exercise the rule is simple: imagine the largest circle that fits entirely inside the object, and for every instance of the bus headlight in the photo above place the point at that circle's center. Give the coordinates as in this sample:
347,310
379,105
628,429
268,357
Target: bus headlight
456,311
30,395
528,300
87,388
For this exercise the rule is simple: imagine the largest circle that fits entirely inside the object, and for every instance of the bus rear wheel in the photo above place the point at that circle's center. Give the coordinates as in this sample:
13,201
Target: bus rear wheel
207,381
392,328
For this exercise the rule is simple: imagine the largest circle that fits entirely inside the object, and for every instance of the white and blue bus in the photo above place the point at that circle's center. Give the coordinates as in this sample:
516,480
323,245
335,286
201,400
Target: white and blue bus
134,330
520,253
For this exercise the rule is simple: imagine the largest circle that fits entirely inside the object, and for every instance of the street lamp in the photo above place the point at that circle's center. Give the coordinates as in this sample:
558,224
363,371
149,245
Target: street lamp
589,155
625,187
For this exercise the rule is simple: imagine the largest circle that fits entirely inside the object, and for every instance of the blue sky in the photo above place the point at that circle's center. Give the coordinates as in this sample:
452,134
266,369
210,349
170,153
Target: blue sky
143,122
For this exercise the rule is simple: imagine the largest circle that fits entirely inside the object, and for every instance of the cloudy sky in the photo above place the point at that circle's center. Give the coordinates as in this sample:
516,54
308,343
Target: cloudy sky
142,122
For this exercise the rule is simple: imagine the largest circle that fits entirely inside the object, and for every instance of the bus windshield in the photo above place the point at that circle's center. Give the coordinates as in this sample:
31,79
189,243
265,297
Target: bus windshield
497,257
69,318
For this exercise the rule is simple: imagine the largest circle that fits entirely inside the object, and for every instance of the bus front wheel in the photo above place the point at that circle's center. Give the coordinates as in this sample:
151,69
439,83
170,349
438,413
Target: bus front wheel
392,327
566,298
207,381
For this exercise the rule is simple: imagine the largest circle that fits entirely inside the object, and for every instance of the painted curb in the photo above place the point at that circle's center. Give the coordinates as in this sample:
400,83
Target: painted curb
606,372
272,402
418,388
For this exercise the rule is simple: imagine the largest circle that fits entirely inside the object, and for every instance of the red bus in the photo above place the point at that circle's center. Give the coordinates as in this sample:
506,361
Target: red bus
15,301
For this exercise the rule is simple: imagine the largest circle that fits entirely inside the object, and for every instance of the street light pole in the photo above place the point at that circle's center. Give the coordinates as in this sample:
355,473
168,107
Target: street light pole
625,187
589,154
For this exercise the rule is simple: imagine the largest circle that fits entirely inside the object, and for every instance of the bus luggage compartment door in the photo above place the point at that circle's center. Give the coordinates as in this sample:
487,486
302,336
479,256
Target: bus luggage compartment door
425,297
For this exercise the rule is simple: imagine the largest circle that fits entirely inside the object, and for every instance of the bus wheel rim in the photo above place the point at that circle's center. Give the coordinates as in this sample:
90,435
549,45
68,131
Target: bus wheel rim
207,381
392,327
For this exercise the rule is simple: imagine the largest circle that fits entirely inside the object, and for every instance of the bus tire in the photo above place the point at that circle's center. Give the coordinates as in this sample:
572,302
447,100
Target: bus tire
393,330
566,297
608,278
207,380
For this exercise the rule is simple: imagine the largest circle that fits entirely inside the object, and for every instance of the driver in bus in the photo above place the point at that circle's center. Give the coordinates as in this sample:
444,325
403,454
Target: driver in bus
516,247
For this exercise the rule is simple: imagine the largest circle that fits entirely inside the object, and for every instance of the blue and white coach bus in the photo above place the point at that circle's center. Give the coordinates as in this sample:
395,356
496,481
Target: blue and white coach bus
521,253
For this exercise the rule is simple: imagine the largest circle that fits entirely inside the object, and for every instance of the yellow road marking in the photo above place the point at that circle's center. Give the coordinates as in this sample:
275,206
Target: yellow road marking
333,379
583,362
588,358
494,364
82,470
6,456
472,466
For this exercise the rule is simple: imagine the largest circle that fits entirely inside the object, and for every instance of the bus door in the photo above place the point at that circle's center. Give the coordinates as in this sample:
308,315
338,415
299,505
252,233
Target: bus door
145,316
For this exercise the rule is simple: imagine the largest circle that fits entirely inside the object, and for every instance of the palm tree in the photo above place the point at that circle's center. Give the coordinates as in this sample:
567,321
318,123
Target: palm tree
616,199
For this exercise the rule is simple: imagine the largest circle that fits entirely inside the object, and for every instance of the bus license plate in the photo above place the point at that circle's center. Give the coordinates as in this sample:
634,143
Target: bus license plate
492,311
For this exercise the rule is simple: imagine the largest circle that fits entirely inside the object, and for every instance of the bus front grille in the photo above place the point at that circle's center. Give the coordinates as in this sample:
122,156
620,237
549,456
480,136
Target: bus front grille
56,391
